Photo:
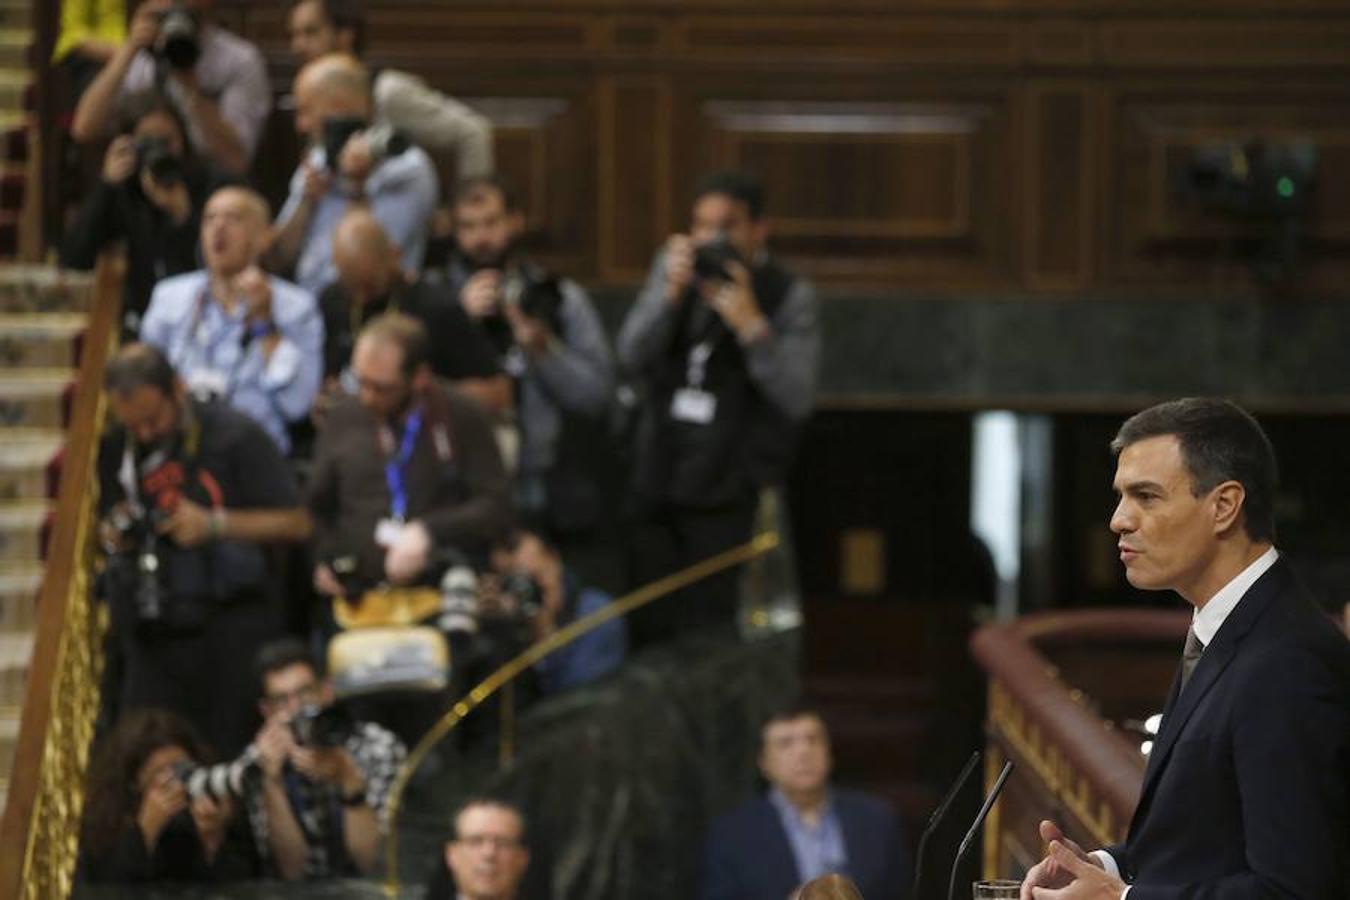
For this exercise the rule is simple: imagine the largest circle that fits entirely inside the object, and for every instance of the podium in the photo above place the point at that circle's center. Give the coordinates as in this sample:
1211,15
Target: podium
1065,689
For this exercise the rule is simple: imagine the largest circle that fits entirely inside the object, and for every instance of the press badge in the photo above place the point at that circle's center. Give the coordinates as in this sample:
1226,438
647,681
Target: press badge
207,383
387,532
693,406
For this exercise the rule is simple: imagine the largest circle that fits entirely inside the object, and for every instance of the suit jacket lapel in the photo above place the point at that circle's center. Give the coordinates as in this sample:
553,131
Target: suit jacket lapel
778,856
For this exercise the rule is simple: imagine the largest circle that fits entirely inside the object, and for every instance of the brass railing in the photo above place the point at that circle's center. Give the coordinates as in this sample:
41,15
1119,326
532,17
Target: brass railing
39,832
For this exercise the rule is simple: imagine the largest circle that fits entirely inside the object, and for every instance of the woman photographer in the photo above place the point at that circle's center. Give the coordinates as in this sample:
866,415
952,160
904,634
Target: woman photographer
150,194
141,824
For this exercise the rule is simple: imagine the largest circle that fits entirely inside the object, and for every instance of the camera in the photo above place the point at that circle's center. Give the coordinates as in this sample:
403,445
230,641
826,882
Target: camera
382,140
525,591
155,156
539,296
179,42
142,564
711,260
219,781
322,726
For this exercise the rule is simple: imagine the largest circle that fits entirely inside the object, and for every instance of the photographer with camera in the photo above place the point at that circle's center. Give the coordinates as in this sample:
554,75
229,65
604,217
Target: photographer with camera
727,343
150,196
142,823
218,81
351,161
551,342
189,492
319,809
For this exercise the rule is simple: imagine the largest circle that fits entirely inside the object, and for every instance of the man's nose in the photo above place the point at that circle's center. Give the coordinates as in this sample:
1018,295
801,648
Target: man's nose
1121,519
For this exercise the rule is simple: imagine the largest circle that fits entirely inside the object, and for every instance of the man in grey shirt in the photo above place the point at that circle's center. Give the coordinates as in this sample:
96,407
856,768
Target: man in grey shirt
726,344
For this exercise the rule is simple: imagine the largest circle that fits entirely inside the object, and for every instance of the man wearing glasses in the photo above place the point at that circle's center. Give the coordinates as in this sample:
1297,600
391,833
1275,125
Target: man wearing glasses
488,856
320,808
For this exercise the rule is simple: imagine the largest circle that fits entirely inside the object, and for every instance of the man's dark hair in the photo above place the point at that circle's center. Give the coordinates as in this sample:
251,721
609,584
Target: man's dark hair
788,712
282,654
343,15
404,332
489,800
1219,442
740,186
473,189
137,366
141,104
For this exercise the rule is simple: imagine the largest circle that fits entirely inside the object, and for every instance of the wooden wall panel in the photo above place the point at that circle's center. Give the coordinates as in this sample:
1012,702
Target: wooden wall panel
1061,168
634,203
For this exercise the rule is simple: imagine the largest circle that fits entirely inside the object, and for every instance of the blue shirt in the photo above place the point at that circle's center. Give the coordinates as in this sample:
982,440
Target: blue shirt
401,193
818,849
588,657
207,348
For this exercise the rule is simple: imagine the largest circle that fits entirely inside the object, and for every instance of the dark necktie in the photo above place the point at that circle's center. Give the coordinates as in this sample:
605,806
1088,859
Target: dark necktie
1190,656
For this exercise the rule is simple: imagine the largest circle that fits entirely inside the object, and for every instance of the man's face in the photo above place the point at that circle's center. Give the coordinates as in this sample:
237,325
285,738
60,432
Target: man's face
364,273
312,34
381,384
232,232
286,691
148,414
1168,537
485,231
533,557
796,754
486,855
718,214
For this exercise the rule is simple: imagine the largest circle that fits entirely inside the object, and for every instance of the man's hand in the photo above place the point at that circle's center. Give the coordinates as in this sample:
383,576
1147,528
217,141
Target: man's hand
120,160
252,286
144,28
325,582
162,800
1049,873
329,765
481,295
317,181
189,524
356,161
407,556
735,302
1086,881
679,266
531,334
172,198
275,744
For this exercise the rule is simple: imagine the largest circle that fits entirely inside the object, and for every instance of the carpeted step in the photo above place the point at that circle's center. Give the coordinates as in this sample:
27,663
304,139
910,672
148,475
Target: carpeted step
38,288
41,341
14,85
35,398
16,13
16,651
14,44
19,586
22,527
28,461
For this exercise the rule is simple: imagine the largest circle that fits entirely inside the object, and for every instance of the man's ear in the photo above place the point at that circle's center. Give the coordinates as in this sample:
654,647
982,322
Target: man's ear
1228,499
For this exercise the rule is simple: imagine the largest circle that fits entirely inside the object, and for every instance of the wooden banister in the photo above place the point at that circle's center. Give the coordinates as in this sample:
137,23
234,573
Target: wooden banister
39,831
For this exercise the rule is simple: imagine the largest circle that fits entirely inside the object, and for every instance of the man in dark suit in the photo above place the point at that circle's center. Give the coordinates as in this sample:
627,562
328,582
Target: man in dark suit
803,827
1245,793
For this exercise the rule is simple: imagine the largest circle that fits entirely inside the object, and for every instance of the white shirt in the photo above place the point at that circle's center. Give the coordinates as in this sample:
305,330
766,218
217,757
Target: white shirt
1206,622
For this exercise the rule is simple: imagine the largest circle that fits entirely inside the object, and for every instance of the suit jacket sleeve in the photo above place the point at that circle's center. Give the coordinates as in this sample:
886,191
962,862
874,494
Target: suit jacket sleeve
718,880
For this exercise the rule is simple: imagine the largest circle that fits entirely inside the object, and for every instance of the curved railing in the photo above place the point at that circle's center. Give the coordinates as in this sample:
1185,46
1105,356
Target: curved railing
39,832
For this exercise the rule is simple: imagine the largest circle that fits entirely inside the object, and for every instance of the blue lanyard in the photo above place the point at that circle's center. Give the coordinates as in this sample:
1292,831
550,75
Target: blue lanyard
394,469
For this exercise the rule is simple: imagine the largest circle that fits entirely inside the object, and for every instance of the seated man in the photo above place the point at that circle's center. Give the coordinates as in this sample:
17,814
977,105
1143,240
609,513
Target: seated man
348,163
529,565
217,80
488,855
188,491
319,809
371,281
235,333
803,828
437,123
405,471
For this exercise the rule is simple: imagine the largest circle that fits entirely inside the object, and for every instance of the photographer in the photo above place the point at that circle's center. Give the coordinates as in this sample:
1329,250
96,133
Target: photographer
218,81
319,809
727,344
350,161
141,823
188,492
150,195
553,345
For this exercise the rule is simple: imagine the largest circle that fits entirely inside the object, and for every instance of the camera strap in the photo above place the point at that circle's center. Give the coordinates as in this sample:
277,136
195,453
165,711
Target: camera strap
129,474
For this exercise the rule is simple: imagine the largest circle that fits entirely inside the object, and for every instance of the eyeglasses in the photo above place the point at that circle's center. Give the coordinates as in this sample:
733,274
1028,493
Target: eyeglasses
497,841
306,694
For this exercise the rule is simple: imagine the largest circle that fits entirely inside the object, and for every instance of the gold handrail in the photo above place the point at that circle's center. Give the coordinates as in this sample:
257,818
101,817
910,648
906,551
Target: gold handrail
502,678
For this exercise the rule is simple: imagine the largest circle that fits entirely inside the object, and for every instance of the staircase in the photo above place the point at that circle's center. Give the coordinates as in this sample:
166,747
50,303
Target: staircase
18,176
42,320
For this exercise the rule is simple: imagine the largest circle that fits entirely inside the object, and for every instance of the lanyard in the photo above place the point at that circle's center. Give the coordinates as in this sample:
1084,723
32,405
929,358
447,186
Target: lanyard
208,347
395,468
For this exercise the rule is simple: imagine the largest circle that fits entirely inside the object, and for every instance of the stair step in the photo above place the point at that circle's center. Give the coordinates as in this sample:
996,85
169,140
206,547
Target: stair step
42,289
9,735
19,586
40,340
13,88
21,531
16,13
14,44
34,398
16,651
26,458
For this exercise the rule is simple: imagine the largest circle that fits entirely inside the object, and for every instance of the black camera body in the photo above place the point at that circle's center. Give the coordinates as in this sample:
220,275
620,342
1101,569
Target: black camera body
525,591
322,726
142,565
382,140
179,41
539,296
155,157
711,260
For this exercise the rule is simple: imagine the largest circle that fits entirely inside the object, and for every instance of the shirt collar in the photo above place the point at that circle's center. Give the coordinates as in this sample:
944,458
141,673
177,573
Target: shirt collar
786,809
1210,617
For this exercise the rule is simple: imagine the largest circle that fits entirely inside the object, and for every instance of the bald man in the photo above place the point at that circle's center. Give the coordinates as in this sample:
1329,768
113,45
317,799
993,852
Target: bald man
332,97
371,281
234,333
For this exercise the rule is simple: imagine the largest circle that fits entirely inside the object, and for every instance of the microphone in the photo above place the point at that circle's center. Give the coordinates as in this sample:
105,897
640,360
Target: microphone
975,828
938,815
